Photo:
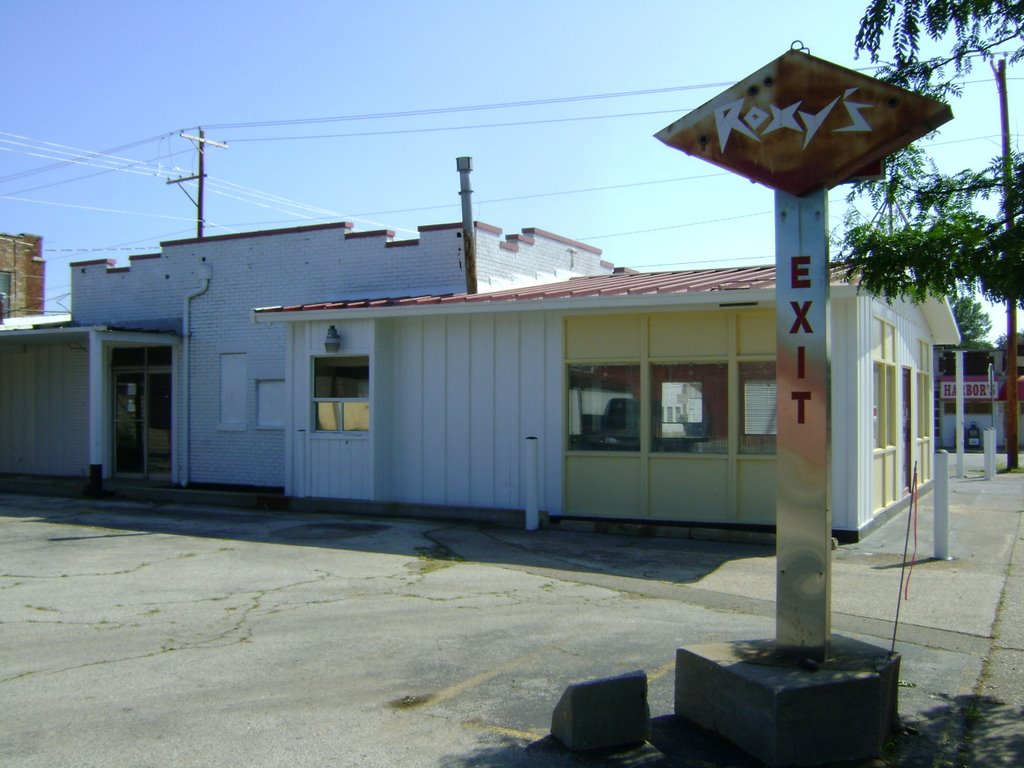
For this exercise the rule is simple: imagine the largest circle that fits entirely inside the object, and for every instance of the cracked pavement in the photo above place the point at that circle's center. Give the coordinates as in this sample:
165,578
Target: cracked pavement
142,634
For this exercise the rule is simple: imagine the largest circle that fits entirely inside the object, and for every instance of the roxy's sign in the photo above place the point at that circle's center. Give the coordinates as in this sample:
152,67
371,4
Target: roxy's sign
802,123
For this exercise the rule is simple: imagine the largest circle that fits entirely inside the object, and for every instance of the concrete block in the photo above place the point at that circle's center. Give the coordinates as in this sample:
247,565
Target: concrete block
611,712
784,714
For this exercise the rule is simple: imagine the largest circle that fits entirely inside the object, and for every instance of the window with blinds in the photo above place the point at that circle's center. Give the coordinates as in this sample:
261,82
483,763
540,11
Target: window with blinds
757,405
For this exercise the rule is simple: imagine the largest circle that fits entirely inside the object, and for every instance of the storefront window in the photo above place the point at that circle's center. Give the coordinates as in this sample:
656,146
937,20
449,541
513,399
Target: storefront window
690,408
757,408
604,407
341,392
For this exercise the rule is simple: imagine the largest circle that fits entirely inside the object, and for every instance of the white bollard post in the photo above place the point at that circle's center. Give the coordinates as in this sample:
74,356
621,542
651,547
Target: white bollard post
941,501
988,441
530,480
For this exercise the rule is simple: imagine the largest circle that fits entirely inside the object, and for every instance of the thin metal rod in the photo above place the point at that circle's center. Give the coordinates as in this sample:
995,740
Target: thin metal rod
903,566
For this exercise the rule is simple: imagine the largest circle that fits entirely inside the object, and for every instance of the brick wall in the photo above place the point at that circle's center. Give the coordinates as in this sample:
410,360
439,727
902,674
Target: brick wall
21,258
302,265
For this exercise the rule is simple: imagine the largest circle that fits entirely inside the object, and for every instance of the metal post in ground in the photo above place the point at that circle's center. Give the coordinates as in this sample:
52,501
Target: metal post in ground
530,480
989,444
941,504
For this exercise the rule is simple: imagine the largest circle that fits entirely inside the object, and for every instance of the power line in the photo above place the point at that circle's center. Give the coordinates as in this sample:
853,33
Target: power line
590,238
87,154
467,108
401,131
93,208
482,107
130,168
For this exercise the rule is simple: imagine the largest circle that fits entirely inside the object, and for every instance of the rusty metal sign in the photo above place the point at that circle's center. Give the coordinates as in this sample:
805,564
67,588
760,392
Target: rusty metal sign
802,123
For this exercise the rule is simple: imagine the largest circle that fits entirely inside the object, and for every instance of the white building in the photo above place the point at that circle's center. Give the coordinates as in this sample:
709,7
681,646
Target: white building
651,396
162,374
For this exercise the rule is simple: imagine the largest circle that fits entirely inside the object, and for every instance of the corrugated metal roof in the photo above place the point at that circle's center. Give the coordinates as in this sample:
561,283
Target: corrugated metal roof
621,283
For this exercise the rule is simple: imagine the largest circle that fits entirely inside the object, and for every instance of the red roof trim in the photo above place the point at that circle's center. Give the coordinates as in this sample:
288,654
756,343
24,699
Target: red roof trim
594,286
438,227
263,233
532,231
93,263
489,228
371,233
401,243
144,256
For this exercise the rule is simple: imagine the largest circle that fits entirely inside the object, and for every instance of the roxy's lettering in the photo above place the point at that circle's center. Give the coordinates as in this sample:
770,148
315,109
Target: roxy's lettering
755,122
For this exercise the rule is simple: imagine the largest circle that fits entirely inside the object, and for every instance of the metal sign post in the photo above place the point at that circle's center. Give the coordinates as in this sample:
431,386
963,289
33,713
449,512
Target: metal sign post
801,125
803,519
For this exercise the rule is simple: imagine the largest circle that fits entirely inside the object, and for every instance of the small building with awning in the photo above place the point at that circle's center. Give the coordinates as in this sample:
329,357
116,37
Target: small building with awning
72,399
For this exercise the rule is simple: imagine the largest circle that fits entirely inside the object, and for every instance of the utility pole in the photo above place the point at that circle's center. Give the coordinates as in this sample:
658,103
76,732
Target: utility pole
1012,426
201,142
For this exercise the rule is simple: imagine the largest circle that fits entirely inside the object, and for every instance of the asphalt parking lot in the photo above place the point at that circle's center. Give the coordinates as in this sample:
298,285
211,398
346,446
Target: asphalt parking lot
139,634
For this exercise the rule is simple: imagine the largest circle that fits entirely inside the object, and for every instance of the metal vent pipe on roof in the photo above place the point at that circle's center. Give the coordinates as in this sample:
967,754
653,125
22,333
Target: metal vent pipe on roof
465,167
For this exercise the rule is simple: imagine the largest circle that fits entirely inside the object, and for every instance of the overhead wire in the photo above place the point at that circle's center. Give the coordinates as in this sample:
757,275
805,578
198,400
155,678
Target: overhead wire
60,163
254,197
439,129
465,108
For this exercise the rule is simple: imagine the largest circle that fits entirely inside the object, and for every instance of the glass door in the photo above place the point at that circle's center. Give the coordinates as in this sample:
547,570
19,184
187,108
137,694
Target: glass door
158,425
143,396
129,431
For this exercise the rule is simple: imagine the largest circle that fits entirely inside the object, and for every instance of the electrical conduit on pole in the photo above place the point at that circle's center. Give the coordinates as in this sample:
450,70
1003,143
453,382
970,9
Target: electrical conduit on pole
205,273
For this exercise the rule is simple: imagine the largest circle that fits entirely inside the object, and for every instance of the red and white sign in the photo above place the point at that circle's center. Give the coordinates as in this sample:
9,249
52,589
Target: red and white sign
975,388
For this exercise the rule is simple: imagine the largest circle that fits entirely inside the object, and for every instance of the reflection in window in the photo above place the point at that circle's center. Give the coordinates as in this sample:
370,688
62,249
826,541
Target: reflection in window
690,408
884,404
341,391
604,407
757,406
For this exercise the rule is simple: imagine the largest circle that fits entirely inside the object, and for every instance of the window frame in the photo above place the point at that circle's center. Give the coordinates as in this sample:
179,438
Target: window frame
610,436
340,412
712,437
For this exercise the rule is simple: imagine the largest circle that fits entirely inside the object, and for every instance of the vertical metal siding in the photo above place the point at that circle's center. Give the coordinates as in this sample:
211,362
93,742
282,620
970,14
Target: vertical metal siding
465,393
483,432
43,411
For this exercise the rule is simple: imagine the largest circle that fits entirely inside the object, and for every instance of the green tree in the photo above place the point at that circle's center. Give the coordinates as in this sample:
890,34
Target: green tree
973,322
975,29
1001,340
927,237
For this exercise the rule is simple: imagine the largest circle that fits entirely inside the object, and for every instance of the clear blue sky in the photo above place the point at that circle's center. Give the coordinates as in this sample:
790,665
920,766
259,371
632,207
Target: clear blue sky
124,78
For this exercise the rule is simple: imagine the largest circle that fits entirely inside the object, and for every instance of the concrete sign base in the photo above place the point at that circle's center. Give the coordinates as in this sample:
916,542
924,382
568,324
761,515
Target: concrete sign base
787,713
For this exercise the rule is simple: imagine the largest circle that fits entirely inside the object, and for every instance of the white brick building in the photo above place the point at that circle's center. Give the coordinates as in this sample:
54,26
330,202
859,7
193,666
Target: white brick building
110,391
